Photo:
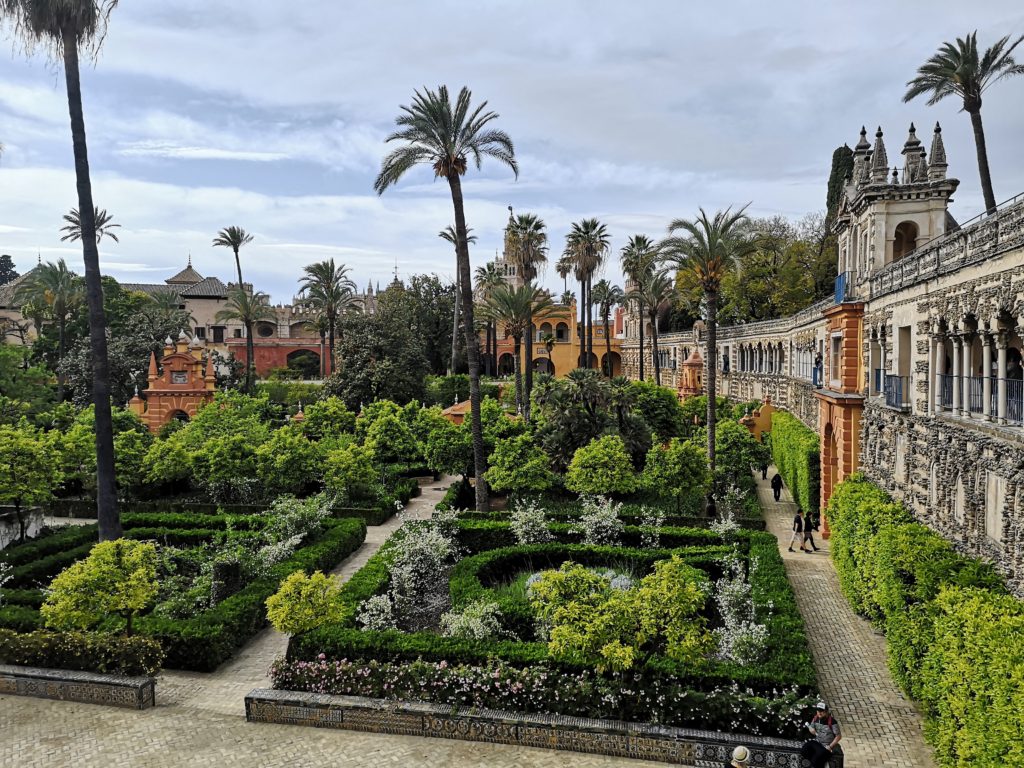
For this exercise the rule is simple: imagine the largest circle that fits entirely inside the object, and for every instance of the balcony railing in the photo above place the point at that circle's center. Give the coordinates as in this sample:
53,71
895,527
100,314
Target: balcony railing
975,394
845,287
1015,401
897,391
946,390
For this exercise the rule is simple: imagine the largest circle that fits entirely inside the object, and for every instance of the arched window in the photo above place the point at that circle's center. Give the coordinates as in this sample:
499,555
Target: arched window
905,241
265,330
562,332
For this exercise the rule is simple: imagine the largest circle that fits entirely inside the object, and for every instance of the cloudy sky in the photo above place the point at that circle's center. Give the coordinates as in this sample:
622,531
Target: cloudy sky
272,116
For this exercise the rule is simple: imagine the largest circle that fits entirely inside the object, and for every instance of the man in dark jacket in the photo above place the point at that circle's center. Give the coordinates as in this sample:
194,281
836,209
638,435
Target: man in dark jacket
777,486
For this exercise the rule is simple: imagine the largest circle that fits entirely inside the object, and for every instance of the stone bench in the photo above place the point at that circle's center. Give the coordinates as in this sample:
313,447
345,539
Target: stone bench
86,687
681,746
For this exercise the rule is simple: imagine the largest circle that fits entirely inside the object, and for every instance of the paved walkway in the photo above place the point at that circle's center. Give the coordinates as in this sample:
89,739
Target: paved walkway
199,719
881,728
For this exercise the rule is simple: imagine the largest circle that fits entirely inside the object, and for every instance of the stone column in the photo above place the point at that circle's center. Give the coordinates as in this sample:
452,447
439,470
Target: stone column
1001,340
881,365
966,370
957,370
934,382
986,374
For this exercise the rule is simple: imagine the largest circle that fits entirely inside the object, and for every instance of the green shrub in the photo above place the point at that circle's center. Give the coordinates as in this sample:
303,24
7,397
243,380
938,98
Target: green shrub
659,407
796,454
304,602
519,464
82,651
677,470
602,467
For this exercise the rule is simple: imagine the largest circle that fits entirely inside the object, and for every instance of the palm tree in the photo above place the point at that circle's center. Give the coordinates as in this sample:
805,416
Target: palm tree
444,135
564,268
637,262
165,308
587,244
958,70
708,248
57,290
448,233
327,289
319,325
548,340
653,291
527,244
605,297
247,308
567,298
514,308
234,238
489,277
66,28
104,226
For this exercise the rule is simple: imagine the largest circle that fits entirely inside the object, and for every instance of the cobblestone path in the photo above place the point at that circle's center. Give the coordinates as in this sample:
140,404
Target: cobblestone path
881,728
199,719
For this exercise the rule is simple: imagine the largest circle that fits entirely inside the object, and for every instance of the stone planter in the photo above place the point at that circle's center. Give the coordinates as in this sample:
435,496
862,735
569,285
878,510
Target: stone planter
603,737
85,687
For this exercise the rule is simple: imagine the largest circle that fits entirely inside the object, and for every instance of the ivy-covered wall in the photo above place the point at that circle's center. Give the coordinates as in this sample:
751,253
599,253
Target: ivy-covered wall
796,453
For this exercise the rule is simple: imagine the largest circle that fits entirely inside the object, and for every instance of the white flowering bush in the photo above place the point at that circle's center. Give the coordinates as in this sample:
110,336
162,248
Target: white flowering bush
529,523
730,508
599,522
740,638
377,614
479,620
5,576
277,552
419,576
651,523
291,517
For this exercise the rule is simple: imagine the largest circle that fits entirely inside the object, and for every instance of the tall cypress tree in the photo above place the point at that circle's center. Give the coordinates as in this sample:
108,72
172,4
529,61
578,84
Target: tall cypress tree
842,164
7,270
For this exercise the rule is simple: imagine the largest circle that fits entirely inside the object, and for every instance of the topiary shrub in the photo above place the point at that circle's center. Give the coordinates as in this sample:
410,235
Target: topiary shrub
602,467
519,464
304,602
797,455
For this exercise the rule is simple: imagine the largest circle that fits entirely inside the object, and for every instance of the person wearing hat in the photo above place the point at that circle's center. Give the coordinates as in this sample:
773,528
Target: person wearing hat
740,758
826,736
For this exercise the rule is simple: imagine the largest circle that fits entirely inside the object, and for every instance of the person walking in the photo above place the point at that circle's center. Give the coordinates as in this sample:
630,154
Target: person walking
777,486
764,470
740,758
827,735
808,534
798,531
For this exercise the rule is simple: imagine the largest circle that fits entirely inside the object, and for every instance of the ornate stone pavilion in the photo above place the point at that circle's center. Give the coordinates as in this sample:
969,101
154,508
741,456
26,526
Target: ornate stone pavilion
181,384
911,372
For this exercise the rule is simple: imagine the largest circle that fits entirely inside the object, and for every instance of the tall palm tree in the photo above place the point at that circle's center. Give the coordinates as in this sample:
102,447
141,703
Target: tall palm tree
605,297
514,308
637,258
564,268
66,29
526,242
958,70
444,135
327,289
653,291
448,233
57,290
247,308
708,248
234,238
104,226
587,245
567,298
319,325
489,277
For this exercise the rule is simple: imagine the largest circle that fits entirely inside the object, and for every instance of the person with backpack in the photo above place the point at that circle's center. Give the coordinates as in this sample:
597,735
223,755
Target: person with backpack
777,486
798,531
826,737
809,534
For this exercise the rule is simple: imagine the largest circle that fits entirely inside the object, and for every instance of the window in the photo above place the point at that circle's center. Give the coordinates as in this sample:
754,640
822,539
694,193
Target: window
200,332
835,367
218,334
179,377
238,333
905,240
265,330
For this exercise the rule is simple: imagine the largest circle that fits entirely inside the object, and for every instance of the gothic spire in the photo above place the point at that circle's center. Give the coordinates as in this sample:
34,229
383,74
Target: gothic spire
910,152
879,159
937,161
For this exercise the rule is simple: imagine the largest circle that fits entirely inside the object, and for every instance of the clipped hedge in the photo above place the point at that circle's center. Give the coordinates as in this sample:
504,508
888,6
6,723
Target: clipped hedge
797,455
955,637
82,651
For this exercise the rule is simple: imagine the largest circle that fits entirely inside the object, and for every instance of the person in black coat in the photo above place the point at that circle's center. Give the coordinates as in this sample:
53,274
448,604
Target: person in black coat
798,531
777,486
809,533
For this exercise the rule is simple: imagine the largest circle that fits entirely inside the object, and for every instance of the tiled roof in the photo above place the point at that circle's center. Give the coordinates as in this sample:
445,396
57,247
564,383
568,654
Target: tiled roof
210,287
7,290
187,276
149,288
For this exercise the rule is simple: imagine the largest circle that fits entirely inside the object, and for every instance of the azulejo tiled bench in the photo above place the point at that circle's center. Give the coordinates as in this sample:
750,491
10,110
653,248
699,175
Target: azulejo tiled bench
704,749
85,687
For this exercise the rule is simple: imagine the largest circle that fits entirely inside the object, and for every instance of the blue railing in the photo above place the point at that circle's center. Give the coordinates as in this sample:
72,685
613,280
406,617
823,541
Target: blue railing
897,391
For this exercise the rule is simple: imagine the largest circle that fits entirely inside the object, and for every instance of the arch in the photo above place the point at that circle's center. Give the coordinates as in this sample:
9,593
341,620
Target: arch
305,361
506,364
545,328
582,360
905,239
179,415
562,332
611,364
266,330
301,331
544,365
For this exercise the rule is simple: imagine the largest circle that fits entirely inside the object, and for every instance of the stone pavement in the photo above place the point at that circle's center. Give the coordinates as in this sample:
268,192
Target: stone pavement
199,719
881,728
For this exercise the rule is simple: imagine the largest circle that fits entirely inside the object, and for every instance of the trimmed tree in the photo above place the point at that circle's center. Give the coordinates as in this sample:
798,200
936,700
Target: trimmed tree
519,464
602,467
29,471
